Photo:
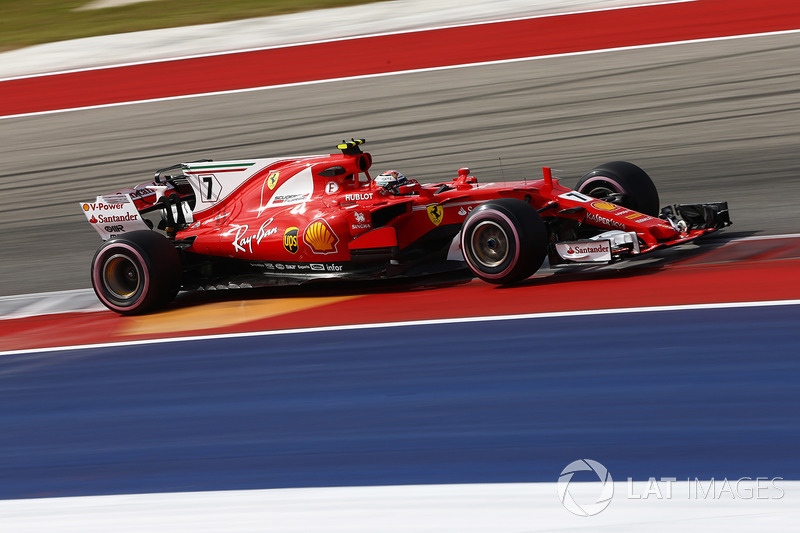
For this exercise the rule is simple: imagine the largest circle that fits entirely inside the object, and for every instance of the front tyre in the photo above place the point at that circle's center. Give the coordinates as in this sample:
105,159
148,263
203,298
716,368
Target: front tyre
136,272
504,241
621,183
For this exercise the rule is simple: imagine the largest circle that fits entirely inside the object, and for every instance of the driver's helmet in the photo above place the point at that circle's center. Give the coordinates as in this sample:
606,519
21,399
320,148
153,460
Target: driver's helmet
390,179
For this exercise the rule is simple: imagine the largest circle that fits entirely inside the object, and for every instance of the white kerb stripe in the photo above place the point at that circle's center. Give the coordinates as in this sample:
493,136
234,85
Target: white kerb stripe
347,327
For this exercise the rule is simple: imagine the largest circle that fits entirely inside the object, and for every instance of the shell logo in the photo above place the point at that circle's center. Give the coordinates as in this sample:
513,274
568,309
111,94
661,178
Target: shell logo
604,206
320,237
86,207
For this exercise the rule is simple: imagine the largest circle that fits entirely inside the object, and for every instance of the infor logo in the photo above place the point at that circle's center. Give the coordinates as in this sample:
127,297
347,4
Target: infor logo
585,499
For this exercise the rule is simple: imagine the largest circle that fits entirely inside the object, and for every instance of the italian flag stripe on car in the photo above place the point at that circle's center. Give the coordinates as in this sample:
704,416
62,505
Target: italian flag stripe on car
232,167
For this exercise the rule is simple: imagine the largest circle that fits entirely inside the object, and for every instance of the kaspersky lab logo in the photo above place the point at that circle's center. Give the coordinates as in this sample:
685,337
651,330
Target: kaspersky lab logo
585,499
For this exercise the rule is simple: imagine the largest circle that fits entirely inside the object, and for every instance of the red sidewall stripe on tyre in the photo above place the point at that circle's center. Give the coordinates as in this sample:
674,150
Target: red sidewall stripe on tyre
605,179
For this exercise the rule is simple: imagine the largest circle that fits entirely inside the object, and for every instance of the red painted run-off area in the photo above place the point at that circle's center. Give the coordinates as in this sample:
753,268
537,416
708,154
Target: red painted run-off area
391,53
738,272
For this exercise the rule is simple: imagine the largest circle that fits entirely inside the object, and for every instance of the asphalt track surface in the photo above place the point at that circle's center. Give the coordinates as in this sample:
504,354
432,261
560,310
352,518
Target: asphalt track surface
709,121
424,404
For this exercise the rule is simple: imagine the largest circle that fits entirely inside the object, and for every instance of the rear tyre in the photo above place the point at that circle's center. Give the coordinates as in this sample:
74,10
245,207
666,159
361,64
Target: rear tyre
621,183
136,272
504,241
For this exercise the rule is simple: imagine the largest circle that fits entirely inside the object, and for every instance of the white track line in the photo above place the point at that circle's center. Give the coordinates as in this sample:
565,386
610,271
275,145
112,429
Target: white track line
402,72
432,322
765,237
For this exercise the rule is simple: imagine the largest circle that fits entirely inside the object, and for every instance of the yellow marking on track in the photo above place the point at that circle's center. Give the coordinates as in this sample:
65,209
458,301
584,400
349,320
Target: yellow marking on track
221,314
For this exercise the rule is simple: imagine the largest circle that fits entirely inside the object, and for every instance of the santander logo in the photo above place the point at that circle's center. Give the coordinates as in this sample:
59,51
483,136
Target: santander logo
599,249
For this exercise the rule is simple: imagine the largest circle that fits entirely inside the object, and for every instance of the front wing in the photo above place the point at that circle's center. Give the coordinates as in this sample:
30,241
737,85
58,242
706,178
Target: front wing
689,220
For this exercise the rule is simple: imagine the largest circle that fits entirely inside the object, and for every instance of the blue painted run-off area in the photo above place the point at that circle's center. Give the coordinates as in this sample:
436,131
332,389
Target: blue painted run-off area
705,393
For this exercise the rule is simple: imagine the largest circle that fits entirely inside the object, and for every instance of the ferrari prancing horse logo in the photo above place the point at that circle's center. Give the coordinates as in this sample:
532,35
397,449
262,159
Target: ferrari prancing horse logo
273,179
435,213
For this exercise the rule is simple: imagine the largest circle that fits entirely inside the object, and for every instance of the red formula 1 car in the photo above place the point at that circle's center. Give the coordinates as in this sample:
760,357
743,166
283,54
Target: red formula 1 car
290,220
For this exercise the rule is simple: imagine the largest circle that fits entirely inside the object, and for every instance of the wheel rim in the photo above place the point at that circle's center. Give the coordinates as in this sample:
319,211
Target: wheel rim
490,244
603,190
601,193
121,277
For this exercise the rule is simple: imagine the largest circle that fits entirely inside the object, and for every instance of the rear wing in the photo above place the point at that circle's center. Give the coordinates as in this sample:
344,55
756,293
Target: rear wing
113,214
120,212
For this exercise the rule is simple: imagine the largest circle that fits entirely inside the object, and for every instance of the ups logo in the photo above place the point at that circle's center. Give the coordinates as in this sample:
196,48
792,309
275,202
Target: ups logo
290,240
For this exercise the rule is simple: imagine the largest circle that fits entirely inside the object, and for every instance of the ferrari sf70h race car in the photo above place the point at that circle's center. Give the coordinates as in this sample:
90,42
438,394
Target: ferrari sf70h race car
208,225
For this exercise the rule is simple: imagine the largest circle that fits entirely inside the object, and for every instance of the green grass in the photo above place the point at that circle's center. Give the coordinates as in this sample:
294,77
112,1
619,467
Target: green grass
29,22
